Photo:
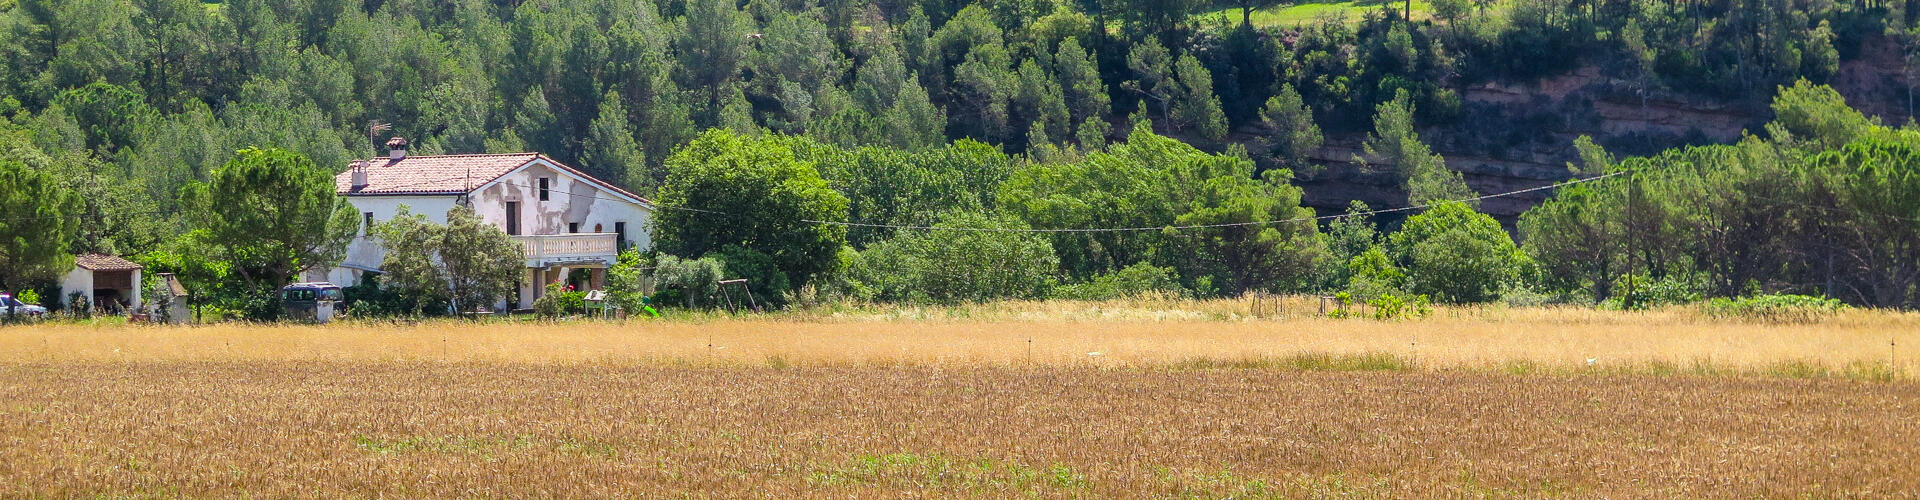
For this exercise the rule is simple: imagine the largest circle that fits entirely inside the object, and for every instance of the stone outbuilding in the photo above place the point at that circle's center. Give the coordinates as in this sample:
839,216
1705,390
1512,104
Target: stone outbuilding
105,280
173,307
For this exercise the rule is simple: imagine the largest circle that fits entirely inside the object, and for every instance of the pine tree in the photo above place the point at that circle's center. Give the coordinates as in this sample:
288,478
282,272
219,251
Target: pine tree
610,151
1193,102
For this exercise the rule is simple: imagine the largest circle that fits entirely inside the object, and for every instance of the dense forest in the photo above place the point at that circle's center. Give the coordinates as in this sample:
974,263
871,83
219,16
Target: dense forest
1013,115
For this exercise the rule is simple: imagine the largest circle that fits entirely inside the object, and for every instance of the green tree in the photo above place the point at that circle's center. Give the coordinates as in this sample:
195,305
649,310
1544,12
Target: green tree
1876,222
610,151
1272,243
481,263
1371,274
1194,105
1578,239
712,45
627,282
270,213
1395,142
1086,95
1287,116
914,123
1457,255
1815,115
1347,237
413,243
959,262
1152,18
1040,101
1153,71
724,189
38,219
108,114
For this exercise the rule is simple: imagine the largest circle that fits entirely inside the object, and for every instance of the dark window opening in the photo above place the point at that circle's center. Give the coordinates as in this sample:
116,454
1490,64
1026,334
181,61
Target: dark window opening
620,235
513,218
369,216
573,227
543,189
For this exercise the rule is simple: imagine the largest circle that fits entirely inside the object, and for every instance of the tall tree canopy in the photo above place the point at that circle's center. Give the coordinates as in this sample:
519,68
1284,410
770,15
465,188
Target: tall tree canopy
37,220
270,214
725,189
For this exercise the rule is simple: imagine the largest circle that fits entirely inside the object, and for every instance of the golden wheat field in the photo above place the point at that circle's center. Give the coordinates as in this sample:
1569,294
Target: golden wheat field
1199,399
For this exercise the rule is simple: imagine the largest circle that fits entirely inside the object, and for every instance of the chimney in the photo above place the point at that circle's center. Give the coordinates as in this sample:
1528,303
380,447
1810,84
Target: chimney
359,175
396,149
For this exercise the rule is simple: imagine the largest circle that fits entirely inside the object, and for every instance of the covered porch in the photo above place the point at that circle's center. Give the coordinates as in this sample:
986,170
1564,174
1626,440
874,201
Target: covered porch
580,259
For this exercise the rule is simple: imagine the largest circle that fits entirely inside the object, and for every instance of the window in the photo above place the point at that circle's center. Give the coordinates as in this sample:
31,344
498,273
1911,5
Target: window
513,218
620,235
599,228
573,227
543,188
369,216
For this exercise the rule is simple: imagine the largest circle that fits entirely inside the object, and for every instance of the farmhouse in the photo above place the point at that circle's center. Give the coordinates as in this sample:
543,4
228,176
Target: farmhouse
104,280
566,220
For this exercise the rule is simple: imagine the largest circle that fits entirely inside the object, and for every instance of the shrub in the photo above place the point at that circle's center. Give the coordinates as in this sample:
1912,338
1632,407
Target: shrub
80,306
1138,280
1646,292
768,284
560,300
1382,307
1774,308
960,266
372,299
691,283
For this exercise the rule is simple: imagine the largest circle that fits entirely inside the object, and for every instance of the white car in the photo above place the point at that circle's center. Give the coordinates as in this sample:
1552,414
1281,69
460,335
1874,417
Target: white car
10,306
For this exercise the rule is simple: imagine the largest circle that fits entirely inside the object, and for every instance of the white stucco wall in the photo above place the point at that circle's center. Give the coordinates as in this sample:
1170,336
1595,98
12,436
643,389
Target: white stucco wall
81,280
77,280
366,253
569,200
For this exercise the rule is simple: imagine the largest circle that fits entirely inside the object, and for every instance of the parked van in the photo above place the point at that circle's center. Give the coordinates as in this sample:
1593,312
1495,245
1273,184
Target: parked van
315,302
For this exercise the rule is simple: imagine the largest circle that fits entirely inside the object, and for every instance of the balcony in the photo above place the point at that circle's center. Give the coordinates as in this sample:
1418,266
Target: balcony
564,249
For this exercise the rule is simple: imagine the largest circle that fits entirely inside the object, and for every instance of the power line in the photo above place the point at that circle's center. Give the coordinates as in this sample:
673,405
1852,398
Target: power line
1127,229
1209,226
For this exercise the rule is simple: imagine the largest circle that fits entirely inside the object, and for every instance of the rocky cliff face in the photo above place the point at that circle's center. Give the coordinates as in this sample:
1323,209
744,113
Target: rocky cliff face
1519,136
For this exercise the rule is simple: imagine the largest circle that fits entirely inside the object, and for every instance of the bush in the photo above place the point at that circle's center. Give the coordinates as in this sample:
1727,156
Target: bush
1138,280
560,300
1382,307
1647,292
691,283
959,266
80,306
768,284
372,299
1774,308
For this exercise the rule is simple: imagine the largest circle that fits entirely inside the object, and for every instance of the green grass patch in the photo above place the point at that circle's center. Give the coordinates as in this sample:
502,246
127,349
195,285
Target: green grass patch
1777,309
1348,11
484,446
1313,361
944,473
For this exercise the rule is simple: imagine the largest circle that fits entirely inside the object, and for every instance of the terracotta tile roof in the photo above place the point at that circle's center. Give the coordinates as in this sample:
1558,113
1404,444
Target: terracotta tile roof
103,262
448,174
445,174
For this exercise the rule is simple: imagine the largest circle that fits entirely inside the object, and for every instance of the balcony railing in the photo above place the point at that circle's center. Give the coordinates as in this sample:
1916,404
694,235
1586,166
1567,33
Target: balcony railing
548,249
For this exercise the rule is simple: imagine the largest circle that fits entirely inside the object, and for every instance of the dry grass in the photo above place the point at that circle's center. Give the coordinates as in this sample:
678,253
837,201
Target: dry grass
87,428
1112,399
1877,343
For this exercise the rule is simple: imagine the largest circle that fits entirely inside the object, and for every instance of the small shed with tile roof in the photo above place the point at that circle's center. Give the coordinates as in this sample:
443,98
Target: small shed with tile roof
108,282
